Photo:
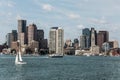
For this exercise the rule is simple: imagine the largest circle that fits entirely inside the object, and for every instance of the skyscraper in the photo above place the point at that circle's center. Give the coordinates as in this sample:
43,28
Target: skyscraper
100,39
82,42
93,40
106,35
9,39
40,35
32,33
22,29
86,34
102,36
14,35
94,48
43,43
56,40
22,39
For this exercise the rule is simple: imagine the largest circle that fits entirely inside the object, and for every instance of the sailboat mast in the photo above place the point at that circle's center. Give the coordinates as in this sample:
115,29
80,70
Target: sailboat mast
16,59
19,53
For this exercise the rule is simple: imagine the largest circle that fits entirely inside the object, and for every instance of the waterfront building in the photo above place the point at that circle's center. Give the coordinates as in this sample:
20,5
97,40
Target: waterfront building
34,45
22,29
40,35
68,43
106,35
94,49
32,33
10,37
69,50
100,39
26,35
76,43
85,38
116,44
86,33
102,36
82,52
113,44
56,40
109,46
14,46
43,44
22,39
114,48
105,47
93,37
41,40
114,52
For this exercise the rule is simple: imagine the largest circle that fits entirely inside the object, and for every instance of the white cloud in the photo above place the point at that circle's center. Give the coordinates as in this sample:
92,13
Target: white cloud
9,13
9,5
98,21
73,16
80,26
47,7
18,17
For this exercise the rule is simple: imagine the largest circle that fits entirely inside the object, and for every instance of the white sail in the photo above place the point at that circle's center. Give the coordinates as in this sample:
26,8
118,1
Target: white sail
20,58
16,59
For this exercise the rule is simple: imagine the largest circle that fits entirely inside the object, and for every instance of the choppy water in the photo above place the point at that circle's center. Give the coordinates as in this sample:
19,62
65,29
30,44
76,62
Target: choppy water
67,68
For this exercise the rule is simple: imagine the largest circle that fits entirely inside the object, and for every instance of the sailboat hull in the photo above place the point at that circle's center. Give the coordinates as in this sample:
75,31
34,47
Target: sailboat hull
19,62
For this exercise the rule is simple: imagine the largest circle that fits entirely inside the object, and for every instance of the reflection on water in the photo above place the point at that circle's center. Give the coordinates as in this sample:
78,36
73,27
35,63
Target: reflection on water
66,68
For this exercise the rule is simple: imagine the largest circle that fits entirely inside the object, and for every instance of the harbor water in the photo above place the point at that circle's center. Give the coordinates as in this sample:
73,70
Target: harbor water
66,68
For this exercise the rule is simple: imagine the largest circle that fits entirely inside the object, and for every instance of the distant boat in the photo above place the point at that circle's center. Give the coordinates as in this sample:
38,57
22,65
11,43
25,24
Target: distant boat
56,55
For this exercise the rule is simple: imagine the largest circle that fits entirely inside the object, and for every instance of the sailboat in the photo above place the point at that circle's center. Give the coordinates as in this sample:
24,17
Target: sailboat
18,59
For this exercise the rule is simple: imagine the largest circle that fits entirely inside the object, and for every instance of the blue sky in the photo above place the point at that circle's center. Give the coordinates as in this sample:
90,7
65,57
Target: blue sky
72,15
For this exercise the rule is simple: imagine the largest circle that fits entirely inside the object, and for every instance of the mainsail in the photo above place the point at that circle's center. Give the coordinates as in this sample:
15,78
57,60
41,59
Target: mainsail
20,58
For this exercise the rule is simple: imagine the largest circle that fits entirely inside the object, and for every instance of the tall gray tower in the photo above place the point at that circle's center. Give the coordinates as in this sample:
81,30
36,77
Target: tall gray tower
94,49
82,42
56,40
92,37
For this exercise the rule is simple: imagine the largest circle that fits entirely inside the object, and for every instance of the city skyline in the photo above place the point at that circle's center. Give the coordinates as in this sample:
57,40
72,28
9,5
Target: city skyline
72,16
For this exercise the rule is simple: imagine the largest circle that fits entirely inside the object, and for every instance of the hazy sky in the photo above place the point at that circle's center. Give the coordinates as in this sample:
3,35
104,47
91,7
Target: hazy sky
72,15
